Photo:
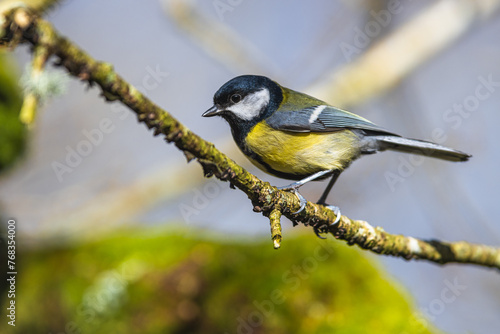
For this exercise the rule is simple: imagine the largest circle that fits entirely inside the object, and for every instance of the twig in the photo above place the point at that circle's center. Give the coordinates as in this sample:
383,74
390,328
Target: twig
265,198
274,218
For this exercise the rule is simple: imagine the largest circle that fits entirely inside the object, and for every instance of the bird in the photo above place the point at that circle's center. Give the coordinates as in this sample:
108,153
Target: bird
295,136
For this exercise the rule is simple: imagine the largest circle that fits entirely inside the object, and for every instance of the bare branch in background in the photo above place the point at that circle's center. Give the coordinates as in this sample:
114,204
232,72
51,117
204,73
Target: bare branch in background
382,67
216,38
376,70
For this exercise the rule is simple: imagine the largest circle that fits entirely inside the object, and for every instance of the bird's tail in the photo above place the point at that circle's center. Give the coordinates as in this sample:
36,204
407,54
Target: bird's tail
420,147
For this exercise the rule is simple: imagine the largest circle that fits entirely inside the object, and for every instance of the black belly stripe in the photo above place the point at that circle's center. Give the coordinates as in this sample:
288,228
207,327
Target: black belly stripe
240,131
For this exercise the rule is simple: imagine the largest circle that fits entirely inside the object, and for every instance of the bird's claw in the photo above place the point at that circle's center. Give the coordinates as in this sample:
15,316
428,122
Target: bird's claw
319,229
302,201
301,198
324,228
336,211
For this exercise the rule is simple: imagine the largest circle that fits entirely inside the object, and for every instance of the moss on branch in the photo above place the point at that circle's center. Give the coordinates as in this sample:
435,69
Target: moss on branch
21,26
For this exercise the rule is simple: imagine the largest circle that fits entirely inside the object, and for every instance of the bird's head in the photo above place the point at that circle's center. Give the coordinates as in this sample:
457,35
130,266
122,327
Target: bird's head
246,99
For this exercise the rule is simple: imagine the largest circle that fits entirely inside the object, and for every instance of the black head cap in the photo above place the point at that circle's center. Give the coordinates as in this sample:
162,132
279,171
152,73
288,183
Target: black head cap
246,100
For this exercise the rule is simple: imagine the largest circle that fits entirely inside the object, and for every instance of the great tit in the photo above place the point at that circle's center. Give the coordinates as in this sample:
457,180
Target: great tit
294,136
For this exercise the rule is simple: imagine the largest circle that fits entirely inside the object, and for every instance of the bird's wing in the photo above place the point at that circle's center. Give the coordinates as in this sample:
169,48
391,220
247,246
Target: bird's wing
321,118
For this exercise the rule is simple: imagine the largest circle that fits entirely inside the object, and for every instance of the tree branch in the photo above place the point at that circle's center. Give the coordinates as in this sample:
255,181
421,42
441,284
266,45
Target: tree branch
20,26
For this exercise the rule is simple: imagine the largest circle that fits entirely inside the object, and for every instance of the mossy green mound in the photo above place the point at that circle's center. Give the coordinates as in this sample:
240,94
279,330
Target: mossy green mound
167,282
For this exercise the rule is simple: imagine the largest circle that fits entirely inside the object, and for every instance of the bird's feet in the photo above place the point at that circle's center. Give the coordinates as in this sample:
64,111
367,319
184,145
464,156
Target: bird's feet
294,189
324,228
296,185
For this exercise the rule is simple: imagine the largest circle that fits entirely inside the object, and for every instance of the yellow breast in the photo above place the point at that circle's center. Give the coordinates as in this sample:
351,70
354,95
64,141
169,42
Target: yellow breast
302,153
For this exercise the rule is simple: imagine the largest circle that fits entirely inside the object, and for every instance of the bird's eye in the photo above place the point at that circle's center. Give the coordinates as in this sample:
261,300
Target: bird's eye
235,98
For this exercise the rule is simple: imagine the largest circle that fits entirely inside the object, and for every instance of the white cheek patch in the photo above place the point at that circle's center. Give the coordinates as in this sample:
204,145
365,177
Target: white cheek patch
251,106
315,114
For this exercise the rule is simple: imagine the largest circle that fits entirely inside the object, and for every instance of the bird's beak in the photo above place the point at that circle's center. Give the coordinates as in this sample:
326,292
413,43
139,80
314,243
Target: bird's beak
211,112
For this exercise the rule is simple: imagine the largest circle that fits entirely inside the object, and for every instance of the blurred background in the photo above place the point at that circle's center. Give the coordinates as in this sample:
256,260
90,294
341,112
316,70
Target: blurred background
116,233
